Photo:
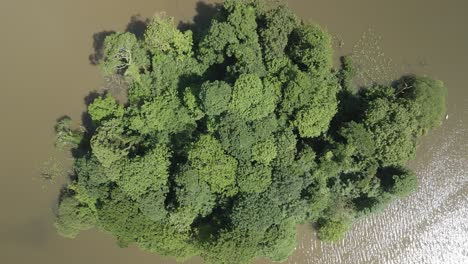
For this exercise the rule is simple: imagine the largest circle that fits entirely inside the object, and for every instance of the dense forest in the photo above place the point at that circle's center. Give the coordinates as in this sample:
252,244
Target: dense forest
231,137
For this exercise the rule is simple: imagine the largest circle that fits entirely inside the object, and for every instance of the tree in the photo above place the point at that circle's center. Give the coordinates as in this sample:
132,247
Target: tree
279,23
314,119
162,37
194,199
144,174
254,178
212,165
427,100
358,136
103,108
110,144
215,97
230,141
405,183
398,181
280,241
264,151
333,230
65,135
123,54
251,100
73,217
310,48
159,115
233,37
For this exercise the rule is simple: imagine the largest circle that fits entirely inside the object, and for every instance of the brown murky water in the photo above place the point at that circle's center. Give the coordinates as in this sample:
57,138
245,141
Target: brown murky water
45,73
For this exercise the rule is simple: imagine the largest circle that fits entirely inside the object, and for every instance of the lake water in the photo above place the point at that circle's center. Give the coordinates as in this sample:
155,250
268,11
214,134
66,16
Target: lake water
45,73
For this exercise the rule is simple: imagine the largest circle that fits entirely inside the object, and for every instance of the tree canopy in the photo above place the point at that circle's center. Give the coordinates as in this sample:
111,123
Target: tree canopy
229,141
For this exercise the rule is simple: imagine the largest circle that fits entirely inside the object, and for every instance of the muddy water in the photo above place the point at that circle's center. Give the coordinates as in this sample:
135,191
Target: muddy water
45,73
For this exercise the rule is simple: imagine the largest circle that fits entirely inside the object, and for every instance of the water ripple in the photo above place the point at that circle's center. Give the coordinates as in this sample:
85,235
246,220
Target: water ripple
430,226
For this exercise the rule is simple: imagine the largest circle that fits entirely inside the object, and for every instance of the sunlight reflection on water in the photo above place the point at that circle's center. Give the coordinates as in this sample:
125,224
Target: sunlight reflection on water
430,226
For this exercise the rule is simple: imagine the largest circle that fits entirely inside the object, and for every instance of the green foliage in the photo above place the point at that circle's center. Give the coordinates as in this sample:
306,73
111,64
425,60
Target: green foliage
159,115
194,198
215,97
254,179
165,240
229,142
232,247
427,98
314,119
347,74
162,37
280,241
398,181
109,144
212,165
72,217
251,100
357,136
395,119
279,23
312,101
233,37
65,135
404,184
103,108
335,220
310,47
192,104
333,230
264,151
123,54
145,174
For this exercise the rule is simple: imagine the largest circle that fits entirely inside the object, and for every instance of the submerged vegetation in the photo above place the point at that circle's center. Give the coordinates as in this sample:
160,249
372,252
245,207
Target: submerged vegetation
230,139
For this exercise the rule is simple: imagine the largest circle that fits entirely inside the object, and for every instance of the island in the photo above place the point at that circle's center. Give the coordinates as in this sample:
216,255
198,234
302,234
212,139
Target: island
230,138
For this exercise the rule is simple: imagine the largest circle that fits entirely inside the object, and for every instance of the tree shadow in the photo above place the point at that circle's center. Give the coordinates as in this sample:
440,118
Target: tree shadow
386,176
85,117
64,192
201,22
137,26
98,46
88,125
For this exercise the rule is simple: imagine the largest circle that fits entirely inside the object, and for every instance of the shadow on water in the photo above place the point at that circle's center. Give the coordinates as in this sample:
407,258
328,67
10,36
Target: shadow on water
79,151
86,121
87,126
201,21
98,46
137,25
